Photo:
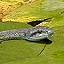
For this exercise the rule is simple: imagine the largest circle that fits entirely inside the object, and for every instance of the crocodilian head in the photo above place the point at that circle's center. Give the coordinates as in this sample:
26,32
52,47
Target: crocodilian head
38,33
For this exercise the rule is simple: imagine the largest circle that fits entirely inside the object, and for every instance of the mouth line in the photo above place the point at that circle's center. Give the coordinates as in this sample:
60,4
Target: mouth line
36,33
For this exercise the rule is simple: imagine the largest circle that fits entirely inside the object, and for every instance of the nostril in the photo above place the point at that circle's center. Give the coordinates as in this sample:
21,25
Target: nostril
46,31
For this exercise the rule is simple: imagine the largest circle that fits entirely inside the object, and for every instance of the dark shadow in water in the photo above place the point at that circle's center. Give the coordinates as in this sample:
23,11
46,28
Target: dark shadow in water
43,41
36,22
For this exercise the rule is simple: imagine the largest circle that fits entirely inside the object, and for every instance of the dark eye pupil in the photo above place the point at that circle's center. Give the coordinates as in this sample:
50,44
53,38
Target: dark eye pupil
39,31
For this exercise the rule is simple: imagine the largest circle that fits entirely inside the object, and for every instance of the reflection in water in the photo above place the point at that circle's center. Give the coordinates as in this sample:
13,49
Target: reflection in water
42,50
44,41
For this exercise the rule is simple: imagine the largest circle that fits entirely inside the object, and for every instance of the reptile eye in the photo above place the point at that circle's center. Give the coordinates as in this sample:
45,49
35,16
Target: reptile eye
39,32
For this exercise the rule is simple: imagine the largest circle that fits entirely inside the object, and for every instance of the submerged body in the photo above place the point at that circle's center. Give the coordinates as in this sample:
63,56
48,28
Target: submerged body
31,34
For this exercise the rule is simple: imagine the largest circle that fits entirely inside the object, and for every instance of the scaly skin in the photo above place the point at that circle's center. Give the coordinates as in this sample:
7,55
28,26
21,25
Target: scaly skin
31,34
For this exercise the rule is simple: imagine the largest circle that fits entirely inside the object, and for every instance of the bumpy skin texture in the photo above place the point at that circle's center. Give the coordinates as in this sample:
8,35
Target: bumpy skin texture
31,34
